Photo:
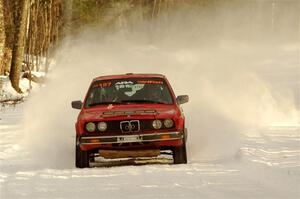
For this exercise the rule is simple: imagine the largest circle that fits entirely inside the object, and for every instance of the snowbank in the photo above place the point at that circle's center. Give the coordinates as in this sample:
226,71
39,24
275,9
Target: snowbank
7,92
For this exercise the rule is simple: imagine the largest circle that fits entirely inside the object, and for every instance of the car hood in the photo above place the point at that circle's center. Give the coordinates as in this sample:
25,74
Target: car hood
155,110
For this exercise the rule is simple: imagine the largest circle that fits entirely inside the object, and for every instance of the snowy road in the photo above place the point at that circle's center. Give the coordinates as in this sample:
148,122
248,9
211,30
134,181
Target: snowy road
266,166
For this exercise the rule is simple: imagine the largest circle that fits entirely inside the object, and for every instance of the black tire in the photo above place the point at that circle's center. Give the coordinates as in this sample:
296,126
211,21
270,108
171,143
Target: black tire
81,158
179,154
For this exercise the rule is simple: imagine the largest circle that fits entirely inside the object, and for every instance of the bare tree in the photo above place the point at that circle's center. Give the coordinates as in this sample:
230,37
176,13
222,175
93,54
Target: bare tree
2,37
19,43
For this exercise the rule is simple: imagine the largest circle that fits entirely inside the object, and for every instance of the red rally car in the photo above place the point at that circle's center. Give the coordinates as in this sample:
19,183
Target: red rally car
130,116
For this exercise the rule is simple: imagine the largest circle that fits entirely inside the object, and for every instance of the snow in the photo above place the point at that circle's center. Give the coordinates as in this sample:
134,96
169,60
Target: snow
7,92
266,166
243,115
241,144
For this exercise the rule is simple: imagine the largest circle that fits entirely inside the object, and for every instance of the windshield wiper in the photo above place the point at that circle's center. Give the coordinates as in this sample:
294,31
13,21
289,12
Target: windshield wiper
142,101
103,103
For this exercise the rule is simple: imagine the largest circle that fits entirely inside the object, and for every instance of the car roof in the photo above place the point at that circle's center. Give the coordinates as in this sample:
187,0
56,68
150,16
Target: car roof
128,75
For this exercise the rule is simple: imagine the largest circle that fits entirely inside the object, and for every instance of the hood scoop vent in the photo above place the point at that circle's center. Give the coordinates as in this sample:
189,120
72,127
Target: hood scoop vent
124,113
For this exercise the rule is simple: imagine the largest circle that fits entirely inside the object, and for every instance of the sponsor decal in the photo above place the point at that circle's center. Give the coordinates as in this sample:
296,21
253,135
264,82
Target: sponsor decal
131,87
102,85
149,82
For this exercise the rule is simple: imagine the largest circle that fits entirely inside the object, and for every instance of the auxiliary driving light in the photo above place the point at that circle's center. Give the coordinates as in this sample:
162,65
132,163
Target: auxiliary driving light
168,123
165,137
102,126
156,124
90,127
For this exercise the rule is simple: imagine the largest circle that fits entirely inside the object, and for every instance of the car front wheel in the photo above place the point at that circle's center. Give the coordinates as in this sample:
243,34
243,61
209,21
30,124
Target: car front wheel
81,158
179,154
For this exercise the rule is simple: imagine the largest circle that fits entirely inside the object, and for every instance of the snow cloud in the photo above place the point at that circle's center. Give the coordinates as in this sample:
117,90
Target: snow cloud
239,73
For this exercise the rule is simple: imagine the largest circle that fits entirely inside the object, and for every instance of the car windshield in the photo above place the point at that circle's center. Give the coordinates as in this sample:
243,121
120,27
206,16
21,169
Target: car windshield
129,91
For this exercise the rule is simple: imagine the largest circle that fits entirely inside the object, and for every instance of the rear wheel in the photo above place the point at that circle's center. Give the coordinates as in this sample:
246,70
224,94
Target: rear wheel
179,154
81,158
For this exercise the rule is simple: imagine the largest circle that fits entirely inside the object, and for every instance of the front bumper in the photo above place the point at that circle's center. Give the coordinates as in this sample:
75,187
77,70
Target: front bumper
119,139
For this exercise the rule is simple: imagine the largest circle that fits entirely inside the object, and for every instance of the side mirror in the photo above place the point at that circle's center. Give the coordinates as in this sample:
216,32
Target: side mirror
181,99
76,104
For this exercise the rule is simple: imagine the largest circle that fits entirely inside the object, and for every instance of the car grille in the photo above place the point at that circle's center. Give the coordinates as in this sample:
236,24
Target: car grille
122,126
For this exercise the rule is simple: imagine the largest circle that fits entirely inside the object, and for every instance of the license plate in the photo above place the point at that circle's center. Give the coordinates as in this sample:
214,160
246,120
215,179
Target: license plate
131,138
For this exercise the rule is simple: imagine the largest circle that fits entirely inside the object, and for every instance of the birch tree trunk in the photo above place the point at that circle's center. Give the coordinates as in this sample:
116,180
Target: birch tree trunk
19,43
2,38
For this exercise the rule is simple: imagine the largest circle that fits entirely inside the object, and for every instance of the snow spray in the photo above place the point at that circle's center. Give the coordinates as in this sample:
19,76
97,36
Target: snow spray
234,68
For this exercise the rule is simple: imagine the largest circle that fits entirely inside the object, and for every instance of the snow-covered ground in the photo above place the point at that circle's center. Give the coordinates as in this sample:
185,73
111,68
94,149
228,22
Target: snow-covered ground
7,93
266,166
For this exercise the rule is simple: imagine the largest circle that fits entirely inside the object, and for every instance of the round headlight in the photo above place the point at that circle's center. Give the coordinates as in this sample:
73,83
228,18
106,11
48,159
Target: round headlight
156,124
102,126
168,123
90,127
